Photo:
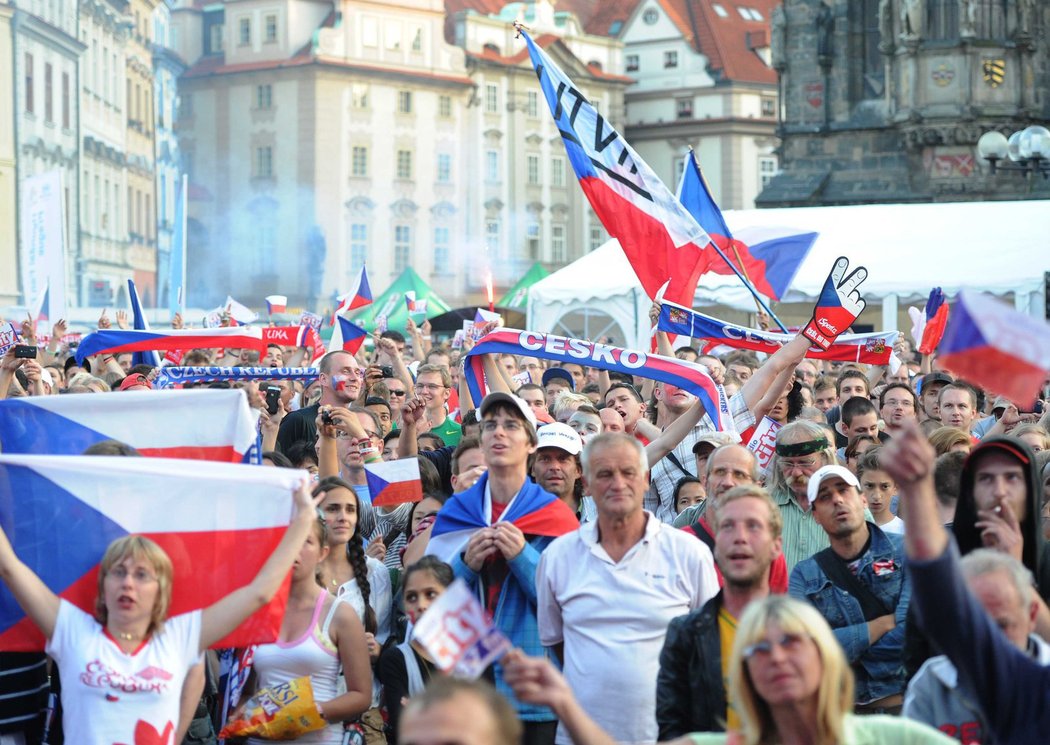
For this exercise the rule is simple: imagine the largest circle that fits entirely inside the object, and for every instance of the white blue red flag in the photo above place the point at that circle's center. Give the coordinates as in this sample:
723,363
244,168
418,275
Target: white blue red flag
769,257
993,345
533,510
276,304
239,312
118,341
394,482
928,327
60,514
663,242
203,424
686,375
358,297
870,349
347,336
138,321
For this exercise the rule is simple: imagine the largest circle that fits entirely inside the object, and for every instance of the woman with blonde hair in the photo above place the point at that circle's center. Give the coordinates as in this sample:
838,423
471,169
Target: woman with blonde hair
789,682
950,439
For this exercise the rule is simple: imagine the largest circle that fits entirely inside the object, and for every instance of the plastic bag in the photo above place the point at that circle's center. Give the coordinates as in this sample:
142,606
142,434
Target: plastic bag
282,712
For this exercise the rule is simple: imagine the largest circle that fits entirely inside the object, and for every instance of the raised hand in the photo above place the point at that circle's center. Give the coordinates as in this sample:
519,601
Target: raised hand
103,320
122,319
839,304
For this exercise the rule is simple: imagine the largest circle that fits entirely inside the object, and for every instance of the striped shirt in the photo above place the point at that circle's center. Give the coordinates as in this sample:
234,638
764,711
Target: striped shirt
802,536
23,690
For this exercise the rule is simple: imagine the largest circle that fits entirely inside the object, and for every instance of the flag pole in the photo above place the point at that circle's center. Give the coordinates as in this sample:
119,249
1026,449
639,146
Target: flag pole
742,277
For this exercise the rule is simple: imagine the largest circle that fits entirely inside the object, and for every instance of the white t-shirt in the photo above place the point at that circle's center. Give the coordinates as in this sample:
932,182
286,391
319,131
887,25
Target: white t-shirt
613,618
896,525
109,696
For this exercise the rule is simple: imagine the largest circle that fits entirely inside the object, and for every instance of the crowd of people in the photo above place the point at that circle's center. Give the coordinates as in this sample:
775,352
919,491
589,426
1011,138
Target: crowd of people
882,577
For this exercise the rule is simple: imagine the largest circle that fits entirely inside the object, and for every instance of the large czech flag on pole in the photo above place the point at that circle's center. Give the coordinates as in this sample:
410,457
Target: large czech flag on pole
663,242
358,297
768,257
218,523
199,424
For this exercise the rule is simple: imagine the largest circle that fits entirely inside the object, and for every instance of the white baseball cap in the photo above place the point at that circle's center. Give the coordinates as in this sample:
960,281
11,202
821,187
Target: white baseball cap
826,472
558,435
507,398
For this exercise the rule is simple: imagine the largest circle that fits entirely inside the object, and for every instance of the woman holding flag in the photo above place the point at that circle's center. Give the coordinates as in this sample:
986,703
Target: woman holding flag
123,669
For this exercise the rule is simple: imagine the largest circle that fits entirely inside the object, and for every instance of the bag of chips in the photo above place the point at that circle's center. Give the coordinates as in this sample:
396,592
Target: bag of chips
282,712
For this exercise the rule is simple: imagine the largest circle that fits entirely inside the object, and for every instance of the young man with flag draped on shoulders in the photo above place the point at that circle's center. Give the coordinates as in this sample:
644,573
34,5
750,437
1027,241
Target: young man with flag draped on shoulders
494,532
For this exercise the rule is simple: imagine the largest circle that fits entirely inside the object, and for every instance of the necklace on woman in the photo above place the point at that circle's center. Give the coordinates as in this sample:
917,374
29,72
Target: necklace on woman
125,636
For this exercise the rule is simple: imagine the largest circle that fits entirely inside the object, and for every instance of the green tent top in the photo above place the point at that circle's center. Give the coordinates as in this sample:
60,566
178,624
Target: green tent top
392,303
517,297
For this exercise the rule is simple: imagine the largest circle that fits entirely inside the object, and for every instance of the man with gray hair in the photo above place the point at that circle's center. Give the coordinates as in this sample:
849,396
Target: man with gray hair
936,695
802,448
606,593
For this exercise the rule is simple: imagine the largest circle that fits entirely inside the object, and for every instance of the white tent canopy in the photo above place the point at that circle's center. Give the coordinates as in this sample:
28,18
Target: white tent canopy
996,247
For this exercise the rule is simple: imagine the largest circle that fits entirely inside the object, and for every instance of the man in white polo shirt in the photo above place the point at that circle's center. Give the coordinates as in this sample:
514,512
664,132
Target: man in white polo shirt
607,592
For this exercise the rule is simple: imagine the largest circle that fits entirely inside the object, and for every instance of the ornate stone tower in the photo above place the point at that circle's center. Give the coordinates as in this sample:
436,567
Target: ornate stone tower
884,100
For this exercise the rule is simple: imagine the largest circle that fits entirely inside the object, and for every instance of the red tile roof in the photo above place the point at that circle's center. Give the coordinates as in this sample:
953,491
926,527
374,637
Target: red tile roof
725,41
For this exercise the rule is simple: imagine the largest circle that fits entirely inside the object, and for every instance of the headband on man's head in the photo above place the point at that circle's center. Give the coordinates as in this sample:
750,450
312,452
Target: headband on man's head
797,449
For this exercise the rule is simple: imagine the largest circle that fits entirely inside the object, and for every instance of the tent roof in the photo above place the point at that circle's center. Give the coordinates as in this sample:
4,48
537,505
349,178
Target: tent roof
392,303
996,247
515,297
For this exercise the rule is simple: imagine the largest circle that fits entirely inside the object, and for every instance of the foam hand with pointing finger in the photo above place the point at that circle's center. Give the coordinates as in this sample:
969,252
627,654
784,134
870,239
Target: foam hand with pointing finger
838,306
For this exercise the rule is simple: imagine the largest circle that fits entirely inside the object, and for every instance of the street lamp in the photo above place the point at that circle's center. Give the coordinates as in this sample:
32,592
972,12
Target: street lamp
1027,151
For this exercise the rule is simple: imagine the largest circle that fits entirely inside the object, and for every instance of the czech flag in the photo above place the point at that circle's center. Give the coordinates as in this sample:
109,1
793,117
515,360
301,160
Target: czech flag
204,424
118,341
413,305
44,313
347,336
276,304
218,522
533,510
769,257
394,482
663,242
928,327
358,297
138,321
991,344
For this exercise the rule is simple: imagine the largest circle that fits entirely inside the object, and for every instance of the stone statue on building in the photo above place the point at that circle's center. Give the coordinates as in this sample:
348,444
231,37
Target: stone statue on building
967,19
911,19
825,29
778,37
1025,16
886,43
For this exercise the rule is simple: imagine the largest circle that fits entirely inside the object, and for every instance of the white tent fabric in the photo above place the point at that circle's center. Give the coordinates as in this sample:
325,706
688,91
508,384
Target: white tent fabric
995,247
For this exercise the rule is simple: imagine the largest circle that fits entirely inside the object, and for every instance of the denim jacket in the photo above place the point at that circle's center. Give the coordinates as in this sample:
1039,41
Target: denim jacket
879,667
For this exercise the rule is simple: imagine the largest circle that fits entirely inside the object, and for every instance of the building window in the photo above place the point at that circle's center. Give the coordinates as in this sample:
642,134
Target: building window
358,246
49,103
404,102
750,14
215,39
441,253
245,36
359,95
558,244
29,83
393,36
492,237
492,166
670,59
444,106
767,169
369,32
359,161
271,29
444,168
632,63
684,108
769,106
491,98
719,10
597,236
558,171
404,164
532,104
532,240
65,100
402,248
263,96
264,162
533,169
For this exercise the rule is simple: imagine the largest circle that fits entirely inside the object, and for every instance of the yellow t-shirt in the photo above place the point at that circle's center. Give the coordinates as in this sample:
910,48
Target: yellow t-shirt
726,636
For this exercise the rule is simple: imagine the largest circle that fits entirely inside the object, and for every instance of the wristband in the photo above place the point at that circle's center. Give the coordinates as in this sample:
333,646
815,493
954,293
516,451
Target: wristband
106,359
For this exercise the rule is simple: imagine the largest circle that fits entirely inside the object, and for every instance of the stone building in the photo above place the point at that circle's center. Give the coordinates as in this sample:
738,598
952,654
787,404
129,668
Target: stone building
885,100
